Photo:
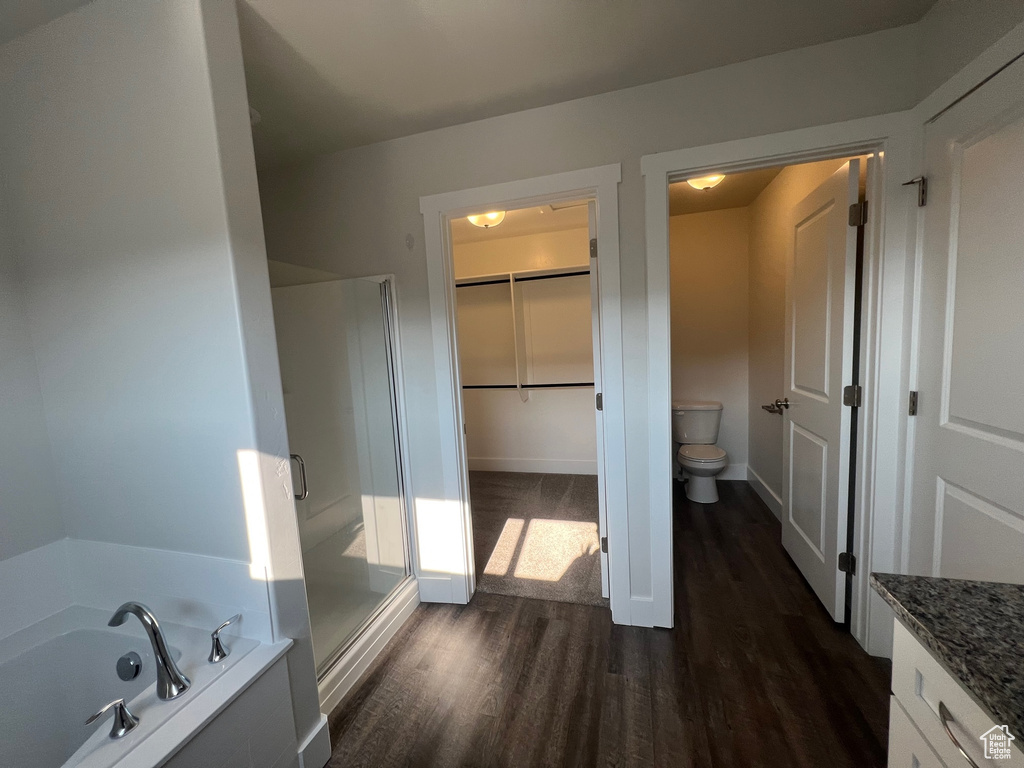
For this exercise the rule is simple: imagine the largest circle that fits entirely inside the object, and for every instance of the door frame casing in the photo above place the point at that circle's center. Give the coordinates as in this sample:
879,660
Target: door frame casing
601,184
885,338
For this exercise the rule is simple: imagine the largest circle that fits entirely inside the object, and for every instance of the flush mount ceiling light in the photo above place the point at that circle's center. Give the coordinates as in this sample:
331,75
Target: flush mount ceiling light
706,182
487,220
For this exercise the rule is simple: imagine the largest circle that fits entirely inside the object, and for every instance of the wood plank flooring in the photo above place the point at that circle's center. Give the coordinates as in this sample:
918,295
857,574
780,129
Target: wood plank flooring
754,673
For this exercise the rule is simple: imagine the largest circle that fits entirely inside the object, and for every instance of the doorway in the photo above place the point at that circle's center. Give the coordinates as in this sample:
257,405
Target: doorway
766,286
452,578
885,342
337,355
529,359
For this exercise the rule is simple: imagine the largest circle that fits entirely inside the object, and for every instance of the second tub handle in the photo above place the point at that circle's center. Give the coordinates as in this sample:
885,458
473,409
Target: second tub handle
124,720
219,651
302,477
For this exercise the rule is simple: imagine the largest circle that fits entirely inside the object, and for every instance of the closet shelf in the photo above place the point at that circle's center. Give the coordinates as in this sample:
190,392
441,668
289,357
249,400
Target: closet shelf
560,385
521,277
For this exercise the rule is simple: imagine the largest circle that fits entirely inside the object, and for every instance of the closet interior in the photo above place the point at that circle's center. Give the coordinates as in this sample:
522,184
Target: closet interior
526,336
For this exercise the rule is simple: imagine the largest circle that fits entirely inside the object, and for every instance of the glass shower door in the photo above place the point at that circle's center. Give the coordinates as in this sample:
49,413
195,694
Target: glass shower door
337,370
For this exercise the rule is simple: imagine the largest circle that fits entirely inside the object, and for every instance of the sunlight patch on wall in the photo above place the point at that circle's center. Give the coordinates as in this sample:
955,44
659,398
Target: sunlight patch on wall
255,514
439,533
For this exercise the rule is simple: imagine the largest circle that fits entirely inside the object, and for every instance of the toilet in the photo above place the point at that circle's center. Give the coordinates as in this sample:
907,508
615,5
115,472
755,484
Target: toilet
694,434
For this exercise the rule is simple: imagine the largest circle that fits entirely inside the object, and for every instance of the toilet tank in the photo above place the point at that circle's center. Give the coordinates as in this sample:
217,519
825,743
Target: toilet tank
696,422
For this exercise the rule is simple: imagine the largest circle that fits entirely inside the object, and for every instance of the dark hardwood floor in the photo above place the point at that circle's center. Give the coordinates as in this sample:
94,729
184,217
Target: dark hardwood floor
754,673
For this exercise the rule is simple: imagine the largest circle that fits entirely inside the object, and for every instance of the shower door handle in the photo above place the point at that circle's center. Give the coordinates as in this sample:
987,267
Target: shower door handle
302,477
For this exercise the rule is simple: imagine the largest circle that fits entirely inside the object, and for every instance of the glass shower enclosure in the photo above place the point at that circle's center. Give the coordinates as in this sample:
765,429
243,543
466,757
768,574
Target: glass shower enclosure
338,366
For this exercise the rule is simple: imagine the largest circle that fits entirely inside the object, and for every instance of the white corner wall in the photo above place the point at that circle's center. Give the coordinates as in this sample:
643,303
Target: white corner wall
30,514
117,210
769,245
130,184
709,265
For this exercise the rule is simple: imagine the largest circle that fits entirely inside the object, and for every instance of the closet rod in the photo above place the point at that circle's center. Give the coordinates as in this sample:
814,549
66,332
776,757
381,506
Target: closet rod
505,280
565,385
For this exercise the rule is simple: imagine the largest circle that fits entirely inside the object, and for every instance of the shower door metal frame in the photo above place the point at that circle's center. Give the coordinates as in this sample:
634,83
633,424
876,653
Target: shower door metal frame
390,316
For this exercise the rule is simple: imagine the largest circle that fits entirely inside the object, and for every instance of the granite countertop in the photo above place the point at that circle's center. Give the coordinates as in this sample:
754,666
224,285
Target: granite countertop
974,628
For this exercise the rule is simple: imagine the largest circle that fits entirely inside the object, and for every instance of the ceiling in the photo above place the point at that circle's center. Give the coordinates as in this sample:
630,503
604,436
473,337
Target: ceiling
736,190
19,16
327,75
525,221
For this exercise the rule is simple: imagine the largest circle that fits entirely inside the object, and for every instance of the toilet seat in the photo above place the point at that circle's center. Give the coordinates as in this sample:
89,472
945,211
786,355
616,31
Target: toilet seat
701,454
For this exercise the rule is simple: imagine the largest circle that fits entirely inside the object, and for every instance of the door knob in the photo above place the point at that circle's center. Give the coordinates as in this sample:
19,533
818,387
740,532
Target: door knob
784,403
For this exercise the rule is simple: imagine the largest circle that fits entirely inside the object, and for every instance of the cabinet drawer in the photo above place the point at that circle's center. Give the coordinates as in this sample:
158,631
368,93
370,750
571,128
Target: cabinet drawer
907,747
920,683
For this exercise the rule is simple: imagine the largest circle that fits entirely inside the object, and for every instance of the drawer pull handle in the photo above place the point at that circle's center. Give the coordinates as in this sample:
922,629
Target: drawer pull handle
946,719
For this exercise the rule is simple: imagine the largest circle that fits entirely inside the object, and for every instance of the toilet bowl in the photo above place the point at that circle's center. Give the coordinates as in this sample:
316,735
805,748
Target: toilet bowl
694,432
700,464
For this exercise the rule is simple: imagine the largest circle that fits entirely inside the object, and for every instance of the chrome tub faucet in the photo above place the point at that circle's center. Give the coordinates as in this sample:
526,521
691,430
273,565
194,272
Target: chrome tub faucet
170,681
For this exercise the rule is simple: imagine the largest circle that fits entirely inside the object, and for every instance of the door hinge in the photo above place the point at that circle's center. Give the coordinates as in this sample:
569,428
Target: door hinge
847,563
604,544
852,395
912,408
922,189
593,247
600,401
859,214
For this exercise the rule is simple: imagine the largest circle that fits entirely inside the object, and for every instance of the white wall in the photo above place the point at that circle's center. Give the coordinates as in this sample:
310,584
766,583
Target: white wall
117,206
351,212
769,244
30,514
133,205
709,257
544,250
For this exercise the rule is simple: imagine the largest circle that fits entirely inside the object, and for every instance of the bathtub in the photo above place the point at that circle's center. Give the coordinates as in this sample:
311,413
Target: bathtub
59,671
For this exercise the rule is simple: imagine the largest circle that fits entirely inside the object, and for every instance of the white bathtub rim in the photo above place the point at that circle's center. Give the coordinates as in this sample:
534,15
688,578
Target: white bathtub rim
194,714
182,719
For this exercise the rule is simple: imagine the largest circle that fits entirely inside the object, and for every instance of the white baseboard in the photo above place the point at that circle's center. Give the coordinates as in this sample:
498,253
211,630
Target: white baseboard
768,496
550,466
347,671
315,750
734,472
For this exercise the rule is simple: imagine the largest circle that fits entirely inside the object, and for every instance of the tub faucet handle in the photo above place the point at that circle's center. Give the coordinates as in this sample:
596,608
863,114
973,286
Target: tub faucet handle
124,720
219,651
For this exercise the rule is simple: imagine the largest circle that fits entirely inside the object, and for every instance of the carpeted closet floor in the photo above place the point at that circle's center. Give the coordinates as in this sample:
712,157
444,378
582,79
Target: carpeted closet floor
536,535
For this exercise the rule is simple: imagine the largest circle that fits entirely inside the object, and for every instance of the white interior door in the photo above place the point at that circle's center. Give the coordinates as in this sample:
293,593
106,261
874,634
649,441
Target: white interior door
968,500
595,325
820,292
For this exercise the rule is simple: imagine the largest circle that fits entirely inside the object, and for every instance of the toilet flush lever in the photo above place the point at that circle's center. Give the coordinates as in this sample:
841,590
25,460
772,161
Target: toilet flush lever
219,651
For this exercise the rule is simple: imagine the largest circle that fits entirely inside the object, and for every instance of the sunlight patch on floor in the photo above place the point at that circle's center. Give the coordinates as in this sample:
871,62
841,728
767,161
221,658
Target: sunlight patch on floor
550,547
501,556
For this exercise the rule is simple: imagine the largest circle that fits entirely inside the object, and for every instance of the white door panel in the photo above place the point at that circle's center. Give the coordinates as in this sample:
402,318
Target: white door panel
968,498
816,436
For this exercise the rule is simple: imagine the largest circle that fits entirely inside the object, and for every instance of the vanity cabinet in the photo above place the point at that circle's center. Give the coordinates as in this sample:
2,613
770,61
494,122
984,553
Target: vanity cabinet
933,721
